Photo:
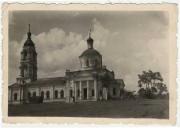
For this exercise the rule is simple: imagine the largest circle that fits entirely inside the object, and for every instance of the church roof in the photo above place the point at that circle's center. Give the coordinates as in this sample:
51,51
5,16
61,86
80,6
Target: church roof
121,81
54,80
90,52
44,81
15,85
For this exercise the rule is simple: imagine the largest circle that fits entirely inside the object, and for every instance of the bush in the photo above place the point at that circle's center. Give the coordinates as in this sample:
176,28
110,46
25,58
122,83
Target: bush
127,94
36,99
146,93
149,94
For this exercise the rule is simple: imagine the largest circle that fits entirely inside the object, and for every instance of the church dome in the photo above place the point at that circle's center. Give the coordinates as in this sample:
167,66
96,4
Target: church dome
90,58
90,53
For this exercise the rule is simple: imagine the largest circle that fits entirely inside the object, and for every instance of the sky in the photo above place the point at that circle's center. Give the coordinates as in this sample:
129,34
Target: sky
130,42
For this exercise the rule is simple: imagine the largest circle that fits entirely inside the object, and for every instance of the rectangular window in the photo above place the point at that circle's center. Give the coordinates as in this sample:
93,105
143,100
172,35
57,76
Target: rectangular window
71,93
114,91
92,92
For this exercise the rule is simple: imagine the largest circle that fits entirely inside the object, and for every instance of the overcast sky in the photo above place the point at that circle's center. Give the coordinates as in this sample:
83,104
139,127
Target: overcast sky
129,42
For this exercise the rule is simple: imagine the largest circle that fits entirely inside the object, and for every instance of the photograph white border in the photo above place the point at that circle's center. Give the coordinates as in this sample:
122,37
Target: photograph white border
172,8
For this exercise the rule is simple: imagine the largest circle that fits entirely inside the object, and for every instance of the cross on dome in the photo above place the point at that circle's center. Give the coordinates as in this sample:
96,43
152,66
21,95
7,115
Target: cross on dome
90,33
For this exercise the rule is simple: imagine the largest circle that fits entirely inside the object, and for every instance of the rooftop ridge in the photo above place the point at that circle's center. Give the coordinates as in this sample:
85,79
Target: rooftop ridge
50,78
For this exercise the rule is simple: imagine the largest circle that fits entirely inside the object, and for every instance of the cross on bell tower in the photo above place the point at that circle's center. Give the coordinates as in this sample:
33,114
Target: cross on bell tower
28,63
29,27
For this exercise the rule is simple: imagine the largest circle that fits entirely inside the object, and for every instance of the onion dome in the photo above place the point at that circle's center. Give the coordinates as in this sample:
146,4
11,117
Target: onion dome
90,40
29,42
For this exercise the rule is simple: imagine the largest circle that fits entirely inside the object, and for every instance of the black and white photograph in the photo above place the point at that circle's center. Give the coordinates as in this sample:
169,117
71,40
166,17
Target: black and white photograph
89,63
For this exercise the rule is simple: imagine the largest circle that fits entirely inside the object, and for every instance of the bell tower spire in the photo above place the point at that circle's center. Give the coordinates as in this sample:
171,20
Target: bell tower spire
29,32
29,28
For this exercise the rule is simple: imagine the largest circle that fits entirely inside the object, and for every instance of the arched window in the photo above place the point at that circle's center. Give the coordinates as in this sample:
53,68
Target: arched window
71,93
47,94
29,95
114,91
34,56
15,96
56,94
78,92
34,93
62,94
25,54
42,94
25,70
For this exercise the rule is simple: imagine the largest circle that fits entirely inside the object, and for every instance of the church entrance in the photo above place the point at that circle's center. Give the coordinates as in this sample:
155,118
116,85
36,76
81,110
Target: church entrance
85,93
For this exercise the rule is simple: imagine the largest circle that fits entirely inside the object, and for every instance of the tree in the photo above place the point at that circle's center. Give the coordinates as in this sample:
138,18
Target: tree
149,79
161,88
150,84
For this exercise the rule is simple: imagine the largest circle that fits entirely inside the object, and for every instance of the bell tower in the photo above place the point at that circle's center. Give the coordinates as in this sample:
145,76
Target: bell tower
28,63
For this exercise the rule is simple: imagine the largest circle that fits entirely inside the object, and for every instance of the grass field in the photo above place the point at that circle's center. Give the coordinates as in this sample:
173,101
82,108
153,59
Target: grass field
141,108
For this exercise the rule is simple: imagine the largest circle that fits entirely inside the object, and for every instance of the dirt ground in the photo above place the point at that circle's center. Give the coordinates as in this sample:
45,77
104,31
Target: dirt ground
141,108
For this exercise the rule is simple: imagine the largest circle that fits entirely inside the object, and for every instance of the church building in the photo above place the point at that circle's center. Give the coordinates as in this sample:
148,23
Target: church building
92,82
